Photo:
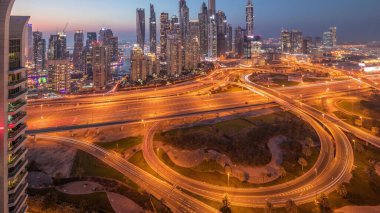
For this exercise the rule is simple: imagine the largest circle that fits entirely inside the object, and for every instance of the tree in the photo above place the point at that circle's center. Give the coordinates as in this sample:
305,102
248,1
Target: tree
323,204
291,206
302,162
268,207
306,151
282,172
342,190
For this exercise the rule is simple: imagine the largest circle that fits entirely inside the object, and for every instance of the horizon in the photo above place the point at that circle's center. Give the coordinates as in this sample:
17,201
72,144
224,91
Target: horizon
270,16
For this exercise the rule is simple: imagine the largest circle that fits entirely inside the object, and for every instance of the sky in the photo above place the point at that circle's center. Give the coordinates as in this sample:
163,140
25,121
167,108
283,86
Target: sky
357,20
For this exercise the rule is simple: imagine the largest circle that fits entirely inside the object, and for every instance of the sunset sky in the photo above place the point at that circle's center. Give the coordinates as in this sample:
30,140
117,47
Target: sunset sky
357,20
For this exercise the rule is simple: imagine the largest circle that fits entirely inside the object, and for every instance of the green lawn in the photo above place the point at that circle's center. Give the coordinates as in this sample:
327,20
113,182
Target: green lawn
138,160
122,145
87,165
91,202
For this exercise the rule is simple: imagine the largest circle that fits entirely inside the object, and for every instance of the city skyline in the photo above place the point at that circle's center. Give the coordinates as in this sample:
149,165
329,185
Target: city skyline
269,16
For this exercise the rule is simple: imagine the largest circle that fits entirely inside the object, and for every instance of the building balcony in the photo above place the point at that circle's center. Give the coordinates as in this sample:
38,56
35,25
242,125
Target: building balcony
15,171
16,131
16,83
17,183
17,70
15,145
21,206
17,119
15,107
17,196
17,157
14,96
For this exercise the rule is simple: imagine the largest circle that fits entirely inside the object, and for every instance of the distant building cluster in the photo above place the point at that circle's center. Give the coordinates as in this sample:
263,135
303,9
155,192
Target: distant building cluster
293,42
184,43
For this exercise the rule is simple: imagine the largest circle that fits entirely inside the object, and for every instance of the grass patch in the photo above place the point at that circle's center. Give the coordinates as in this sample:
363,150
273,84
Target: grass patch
122,145
138,160
91,202
87,165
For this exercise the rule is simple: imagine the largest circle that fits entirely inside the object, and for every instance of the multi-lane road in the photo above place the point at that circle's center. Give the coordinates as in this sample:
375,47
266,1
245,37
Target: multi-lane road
185,100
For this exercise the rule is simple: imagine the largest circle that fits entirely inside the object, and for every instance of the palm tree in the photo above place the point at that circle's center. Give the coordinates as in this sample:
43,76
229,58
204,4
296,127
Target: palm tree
268,207
282,172
302,162
342,190
291,206
323,204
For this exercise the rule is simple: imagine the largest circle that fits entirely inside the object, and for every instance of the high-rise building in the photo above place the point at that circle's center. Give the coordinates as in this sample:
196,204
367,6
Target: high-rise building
203,30
13,114
138,65
39,51
153,30
211,7
91,38
221,20
174,54
57,47
113,47
100,65
307,45
59,75
78,58
330,38
192,55
164,31
250,18
184,20
140,27
291,41
212,37
239,42
104,35
229,35
29,54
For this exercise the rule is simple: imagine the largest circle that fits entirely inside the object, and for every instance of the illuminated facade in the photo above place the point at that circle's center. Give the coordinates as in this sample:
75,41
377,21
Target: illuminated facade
250,18
153,30
140,27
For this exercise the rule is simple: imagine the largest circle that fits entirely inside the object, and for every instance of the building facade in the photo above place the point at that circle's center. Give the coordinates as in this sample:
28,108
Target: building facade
250,18
59,75
78,58
39,51
153,30
140,27
100,65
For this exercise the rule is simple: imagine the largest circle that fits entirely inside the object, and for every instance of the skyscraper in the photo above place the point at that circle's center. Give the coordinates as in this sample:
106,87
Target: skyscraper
140,27
184,19
221,20
211,7
39,51
57,47
78,58
250,19
13,114
203,30
138,65
153,30
29,54
100,65
239,41
174,54
212,37
192,53
229,38
59,75
91,37
164,31
104,35
330,38
291,41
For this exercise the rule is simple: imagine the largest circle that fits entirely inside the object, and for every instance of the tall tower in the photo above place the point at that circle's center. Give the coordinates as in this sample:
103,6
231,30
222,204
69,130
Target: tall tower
13,114
57,47
250,18
174,54
184,20
153,30
78,50
164,30
140,27
39,51
203,30
212,37
100,65
138,65
211,7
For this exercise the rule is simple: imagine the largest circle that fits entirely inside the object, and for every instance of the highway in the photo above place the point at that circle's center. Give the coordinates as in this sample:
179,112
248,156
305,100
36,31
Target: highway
176,200
330,170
